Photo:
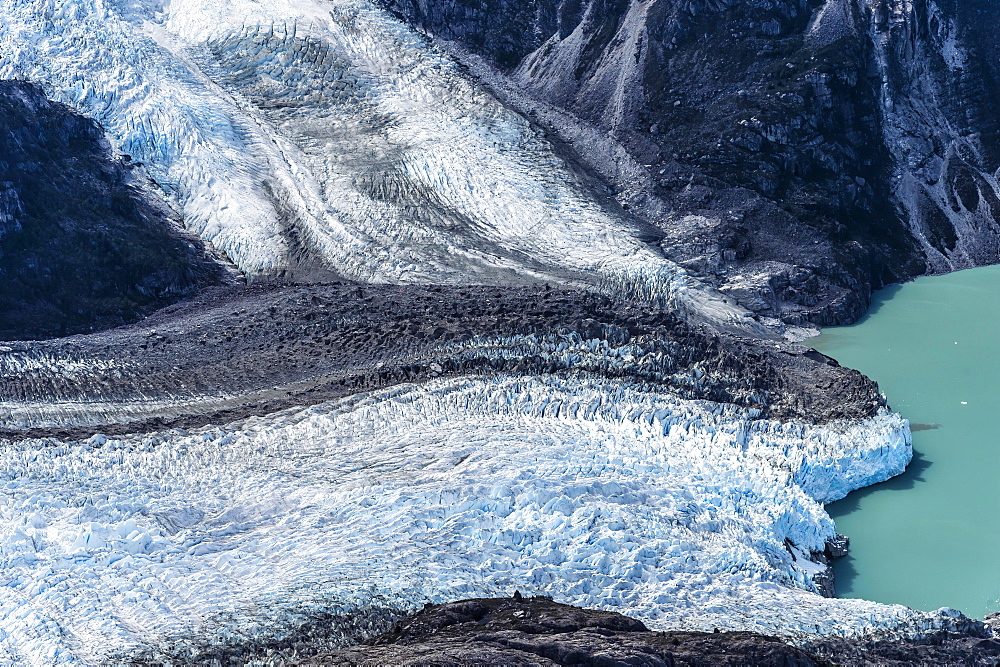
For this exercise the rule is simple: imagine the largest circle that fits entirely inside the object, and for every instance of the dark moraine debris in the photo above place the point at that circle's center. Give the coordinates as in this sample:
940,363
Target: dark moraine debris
235,352
538,631
974,647
85,242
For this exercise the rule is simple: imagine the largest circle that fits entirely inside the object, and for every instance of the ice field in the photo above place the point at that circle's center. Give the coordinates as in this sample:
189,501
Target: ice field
681,513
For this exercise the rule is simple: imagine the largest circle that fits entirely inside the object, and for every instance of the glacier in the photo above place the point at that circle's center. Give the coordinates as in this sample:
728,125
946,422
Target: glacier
685,514
304,137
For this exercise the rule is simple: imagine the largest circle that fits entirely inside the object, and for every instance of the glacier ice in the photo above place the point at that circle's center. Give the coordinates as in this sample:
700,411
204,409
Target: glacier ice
684,514
304,133
297,134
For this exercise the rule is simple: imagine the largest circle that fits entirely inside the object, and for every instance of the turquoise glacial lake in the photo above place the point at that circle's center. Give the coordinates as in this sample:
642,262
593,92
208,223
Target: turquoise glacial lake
931,537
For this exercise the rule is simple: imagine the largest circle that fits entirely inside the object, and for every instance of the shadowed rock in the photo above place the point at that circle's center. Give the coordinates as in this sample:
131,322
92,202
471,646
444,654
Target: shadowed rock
85,242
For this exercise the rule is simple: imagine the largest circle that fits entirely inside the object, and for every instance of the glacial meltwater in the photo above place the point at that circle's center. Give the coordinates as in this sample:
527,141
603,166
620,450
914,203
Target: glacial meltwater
930,537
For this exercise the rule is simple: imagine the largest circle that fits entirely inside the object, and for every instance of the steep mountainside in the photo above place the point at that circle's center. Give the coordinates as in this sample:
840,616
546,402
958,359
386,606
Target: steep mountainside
84,242
799,153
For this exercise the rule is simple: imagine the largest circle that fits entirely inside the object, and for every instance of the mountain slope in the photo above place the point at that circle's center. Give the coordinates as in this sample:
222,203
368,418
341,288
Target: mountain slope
84,242
798,154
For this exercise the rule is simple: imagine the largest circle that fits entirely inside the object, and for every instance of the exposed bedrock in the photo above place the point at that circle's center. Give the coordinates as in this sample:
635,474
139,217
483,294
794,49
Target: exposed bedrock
538,631
85,240
798,153
240,351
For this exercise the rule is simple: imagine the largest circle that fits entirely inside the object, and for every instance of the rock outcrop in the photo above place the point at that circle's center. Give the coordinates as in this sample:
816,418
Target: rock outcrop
537,631
84,241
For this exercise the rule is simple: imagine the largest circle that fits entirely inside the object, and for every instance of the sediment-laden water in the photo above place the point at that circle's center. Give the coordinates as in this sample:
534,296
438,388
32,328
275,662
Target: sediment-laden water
930,537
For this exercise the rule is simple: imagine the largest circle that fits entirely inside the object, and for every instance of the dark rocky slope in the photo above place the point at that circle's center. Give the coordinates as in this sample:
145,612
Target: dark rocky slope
84,242
538,631
799,153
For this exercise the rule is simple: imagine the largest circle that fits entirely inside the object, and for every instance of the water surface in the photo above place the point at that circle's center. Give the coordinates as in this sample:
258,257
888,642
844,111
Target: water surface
931,537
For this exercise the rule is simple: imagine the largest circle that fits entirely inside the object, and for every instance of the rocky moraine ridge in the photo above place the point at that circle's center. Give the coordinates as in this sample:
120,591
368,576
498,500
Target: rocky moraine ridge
538,631
456,298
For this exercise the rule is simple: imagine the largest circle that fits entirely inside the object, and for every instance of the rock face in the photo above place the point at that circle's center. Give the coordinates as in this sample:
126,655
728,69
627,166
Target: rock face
939,66
537,631
84,243
798,153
